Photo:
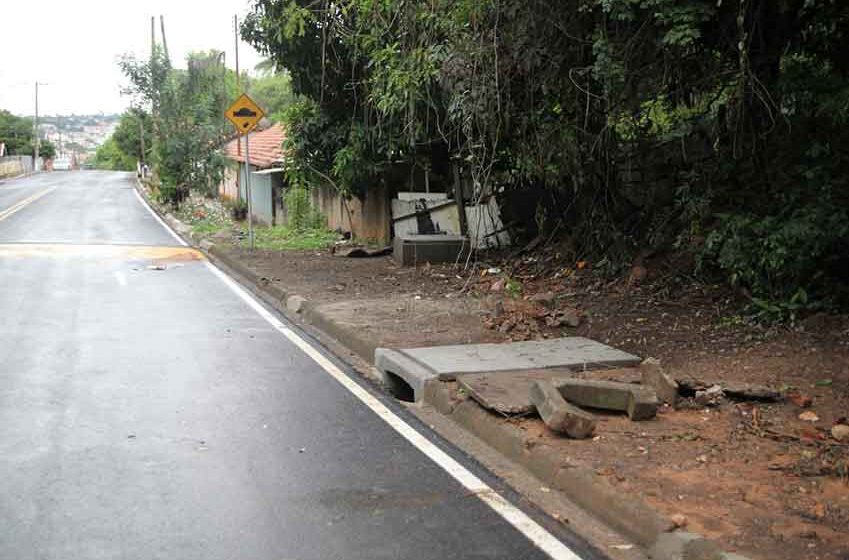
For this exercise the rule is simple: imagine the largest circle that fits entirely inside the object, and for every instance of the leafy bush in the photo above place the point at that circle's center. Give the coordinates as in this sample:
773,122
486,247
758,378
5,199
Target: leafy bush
301,214
238,209
786,261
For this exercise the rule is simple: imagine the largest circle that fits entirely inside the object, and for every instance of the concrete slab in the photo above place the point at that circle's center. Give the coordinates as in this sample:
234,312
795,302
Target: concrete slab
416,366
508,392
573,352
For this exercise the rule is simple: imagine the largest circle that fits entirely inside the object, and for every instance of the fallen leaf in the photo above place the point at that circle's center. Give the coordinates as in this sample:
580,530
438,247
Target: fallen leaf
801,400
809,416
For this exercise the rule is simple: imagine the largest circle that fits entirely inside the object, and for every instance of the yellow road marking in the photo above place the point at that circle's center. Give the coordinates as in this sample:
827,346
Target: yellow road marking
100,251
17,206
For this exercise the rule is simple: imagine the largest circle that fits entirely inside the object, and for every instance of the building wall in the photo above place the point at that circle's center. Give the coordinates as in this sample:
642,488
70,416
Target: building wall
228,190
371,218
11,166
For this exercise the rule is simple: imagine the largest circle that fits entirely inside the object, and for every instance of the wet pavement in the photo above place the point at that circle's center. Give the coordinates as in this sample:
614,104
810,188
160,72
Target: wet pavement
147,412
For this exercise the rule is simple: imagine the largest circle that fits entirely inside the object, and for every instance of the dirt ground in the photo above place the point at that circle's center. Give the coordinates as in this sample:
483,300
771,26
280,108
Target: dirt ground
752,475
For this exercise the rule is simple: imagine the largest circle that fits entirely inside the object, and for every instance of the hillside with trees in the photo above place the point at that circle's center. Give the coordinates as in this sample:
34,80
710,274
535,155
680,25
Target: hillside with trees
628,129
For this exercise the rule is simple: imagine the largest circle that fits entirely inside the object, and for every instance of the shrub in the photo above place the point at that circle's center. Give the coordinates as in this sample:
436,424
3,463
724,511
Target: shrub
302,215
238,209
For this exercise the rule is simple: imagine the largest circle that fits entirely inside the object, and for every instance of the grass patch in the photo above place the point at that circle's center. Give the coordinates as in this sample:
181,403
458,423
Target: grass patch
208,226
284,238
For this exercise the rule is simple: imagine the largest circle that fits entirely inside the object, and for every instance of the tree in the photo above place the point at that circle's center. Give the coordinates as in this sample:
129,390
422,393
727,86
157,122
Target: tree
16,133
273,92
46,150
187,119
110,157
628,126
134,123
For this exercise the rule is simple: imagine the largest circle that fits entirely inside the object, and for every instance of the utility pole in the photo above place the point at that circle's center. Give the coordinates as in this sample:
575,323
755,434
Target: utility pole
164,40
139,114
247,144
36,137
236,35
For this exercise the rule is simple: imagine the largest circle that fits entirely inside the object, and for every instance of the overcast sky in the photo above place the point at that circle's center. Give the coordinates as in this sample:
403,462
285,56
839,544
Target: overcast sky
73,47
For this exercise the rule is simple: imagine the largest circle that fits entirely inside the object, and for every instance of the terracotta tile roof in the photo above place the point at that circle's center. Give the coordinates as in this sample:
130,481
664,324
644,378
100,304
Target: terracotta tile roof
266,147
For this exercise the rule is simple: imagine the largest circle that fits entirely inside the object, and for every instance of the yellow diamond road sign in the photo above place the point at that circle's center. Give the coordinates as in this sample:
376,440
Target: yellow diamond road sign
244,114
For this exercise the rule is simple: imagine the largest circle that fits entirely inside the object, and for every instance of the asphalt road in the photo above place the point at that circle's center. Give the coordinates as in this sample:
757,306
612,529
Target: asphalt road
147,411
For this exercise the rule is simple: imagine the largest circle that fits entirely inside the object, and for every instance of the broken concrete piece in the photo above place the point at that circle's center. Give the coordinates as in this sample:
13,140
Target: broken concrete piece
712,396
653,375
640,403
295,304
558,414
508,392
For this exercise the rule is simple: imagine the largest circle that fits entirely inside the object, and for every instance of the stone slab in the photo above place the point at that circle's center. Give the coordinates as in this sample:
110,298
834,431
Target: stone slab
573,352
508,392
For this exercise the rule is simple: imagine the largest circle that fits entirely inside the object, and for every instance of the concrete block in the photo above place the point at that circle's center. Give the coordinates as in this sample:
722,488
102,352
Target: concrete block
653,375
558,414
295,303
409,250
640,403
398,370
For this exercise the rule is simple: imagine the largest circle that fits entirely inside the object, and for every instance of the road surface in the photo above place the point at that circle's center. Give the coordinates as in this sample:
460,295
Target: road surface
150,409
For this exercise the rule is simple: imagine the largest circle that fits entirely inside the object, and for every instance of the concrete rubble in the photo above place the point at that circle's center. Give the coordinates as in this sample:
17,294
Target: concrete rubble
640,403
558,414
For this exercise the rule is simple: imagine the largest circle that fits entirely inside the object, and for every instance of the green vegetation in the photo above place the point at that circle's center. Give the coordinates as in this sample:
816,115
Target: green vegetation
209,226
185,118
285,238
16,133
110,157
630,128
301,215
273,92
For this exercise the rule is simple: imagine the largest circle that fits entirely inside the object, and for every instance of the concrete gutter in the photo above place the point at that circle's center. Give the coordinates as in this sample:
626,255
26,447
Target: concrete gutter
628,514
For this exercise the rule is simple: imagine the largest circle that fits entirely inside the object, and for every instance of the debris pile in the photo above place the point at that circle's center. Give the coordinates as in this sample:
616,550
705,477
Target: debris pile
557,400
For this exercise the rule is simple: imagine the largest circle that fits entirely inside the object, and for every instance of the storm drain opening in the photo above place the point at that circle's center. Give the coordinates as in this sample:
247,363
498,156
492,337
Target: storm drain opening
398,388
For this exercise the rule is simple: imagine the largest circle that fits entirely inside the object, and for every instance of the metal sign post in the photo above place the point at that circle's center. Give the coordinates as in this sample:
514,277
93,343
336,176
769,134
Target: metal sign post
245,116
248,190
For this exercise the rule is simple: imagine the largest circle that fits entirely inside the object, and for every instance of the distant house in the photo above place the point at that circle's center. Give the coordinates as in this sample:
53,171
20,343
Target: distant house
369,217
266,149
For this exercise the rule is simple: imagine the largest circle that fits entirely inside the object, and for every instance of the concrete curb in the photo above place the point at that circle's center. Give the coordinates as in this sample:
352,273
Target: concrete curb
628,514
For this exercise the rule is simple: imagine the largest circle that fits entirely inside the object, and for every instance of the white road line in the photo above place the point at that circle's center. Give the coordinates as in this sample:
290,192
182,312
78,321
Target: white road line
121,277
537,534
23,203
158,219
532,530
